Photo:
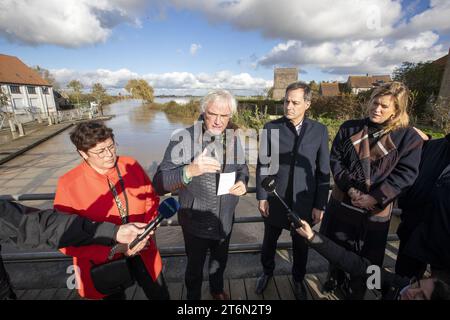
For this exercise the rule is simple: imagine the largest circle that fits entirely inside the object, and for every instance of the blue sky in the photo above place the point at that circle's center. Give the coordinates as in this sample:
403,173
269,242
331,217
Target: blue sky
191,46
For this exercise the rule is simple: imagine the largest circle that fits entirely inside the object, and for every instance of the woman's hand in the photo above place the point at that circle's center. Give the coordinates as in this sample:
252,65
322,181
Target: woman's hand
123,248
305,230
365,201
354,194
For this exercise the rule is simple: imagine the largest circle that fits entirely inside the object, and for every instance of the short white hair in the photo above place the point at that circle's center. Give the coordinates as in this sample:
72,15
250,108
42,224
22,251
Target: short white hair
219,95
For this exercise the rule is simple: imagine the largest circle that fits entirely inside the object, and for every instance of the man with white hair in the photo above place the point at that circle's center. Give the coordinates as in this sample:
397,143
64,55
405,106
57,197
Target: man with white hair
208,149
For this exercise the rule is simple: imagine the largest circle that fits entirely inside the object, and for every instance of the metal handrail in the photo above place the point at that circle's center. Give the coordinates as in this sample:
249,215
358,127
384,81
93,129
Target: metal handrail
164,251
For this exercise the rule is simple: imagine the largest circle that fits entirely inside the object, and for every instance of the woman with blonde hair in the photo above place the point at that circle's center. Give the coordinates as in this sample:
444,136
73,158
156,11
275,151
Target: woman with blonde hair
373,160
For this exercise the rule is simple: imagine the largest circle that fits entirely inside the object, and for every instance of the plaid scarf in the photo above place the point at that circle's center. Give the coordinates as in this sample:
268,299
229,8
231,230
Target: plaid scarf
366,151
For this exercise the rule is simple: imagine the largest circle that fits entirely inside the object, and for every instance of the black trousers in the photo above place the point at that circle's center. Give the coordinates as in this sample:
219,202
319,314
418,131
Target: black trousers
269,246
366,238
196,251
153,290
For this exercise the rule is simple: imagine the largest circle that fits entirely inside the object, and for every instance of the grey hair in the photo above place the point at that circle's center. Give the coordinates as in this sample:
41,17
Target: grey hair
219,95
307,94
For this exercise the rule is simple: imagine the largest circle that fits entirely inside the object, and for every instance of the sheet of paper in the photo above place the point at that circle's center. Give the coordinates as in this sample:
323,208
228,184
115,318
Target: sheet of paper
226,181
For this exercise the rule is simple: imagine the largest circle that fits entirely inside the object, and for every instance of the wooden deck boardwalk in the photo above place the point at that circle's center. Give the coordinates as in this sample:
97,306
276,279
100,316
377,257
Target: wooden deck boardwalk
280,287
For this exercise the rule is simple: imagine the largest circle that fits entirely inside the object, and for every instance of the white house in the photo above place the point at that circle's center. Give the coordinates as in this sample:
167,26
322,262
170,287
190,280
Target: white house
26,90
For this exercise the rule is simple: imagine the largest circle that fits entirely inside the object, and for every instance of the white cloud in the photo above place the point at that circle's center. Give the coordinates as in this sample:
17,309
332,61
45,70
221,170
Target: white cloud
437,18
194,48
68,23
309,21
173,82
359,56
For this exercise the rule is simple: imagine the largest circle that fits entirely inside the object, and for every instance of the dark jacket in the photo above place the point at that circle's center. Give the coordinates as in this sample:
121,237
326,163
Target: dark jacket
30,227
356,266
303,168
202,213
417,202
393,168
426,208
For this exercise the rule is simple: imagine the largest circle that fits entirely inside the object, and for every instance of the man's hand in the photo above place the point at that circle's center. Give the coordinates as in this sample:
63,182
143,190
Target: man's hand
317,215
365,202
238,189
264,208
128,232
202,164
305,230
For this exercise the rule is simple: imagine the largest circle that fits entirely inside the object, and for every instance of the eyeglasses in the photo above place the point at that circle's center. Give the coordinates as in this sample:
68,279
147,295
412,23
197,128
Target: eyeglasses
105,151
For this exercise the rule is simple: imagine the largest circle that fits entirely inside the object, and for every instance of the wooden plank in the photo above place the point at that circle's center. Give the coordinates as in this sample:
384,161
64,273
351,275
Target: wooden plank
131,292
271,292
291,283
250,286
183,292
371,295
337,295
62,294
206,295
20,293
175,290
226,286
285,287
237,289
389,254
139,294
315,287
74,295
395,244
47,294
29,294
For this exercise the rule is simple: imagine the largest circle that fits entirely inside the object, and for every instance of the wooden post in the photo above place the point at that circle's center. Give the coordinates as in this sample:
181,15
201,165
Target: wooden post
12,125
21,130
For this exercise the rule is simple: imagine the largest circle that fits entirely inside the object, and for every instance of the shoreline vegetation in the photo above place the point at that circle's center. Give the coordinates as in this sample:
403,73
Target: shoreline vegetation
253,117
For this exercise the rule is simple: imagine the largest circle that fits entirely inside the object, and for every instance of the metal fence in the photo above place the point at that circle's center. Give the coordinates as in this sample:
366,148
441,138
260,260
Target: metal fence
165,251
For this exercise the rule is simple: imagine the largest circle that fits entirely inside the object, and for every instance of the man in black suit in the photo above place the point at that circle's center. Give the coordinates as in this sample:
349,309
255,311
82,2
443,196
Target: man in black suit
299,159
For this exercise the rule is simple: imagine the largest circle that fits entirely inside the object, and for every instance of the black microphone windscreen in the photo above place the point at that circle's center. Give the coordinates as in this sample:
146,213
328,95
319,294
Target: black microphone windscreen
269,184
168,207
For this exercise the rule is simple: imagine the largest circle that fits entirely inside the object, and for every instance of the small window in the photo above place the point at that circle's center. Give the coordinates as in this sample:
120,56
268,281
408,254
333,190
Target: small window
15,89
45,90
31,90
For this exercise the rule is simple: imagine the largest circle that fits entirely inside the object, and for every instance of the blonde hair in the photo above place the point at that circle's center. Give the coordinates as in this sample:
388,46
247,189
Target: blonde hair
400,94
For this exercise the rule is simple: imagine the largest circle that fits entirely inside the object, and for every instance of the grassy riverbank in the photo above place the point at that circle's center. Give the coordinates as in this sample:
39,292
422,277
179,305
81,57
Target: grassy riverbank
255,119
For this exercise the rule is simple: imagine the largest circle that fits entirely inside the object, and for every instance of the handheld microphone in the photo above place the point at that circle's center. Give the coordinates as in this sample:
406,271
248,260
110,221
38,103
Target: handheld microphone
166,209
269,184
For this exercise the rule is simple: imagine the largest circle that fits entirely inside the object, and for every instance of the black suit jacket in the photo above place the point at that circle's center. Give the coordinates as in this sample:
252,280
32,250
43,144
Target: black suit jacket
304,159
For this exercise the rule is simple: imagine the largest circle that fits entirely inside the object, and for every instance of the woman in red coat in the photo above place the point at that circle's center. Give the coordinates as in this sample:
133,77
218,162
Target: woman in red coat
106,187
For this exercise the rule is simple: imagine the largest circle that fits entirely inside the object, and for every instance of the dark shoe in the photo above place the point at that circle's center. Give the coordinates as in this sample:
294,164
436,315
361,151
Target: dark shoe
220,296
300,290
261,283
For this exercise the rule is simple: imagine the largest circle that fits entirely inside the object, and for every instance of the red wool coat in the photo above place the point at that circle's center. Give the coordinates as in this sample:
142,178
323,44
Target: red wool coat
85,192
